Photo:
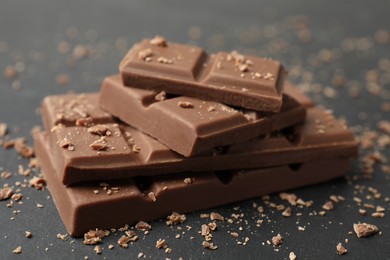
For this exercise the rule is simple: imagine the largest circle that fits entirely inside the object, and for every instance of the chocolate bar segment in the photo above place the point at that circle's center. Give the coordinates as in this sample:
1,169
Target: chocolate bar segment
188,125
127,152
229,78
150,198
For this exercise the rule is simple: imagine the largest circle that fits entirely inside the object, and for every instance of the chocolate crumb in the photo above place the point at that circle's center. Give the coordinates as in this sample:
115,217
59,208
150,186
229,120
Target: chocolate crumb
37,182
99,145
99,129
216,216
277,240
28,234
164,60
17,196
184,104
287,212
187,180
5,193
161,96
292,256
209,245
98,250
93,237
212,226
63,237
3,129
62,79
341,249
143,226
17,250
145,54
23,149
161,244
365,229
6,174
84,121
159,41
175,218
205,230
152,196
328,205
378,214
123,241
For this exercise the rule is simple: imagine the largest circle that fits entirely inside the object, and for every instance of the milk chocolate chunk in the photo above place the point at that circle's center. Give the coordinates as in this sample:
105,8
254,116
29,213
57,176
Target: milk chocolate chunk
80,207
230,78
131,153
188,125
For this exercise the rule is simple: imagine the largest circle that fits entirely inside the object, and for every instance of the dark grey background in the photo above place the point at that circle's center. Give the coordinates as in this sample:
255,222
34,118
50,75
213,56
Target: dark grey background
30,32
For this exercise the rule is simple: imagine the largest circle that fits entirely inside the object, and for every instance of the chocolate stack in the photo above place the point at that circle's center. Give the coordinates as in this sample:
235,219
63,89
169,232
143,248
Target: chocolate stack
179,130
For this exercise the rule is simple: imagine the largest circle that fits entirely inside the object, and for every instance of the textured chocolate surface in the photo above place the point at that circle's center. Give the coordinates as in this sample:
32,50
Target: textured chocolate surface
201,126
130,200
126,152
230,78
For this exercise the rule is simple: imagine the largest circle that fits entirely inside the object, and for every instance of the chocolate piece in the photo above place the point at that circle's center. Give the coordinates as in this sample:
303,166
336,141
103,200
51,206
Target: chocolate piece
72,110
82,209
188,125
131,153
230,78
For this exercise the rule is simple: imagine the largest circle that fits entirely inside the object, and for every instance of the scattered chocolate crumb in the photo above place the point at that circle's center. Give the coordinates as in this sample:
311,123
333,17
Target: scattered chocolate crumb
209,245
205,230
341,249
98,250
277,240
175,218
143,226
123,241
5,193
17,250
292,256
145,54
132,235
93,237
164,60
328,205
39,205
17,196
216,216
99,129
287,212
3,129
187,180
99,145
378,214
66,143
23,149
63,237
84,121
184,104
152,196
141,255
362,212
6,174
28,234
365,230
212,226
161,244
110,246
136,149
234,234
37,182
161,96
159,41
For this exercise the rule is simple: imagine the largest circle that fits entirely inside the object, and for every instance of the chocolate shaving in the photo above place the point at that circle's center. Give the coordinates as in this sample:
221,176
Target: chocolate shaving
5,193
3,129
37,182
94,237
216,216
365,229
23,149
161,243
84,121
209,245
101,130
159,41
183,104
277,240
124,241
175,218
99,145
143,226
341,249
145,54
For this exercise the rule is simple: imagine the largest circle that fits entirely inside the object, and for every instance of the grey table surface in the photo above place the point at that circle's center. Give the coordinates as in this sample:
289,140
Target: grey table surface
332,49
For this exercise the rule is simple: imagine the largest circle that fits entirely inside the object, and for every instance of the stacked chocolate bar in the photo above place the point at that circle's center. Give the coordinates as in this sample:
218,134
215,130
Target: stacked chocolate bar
179,130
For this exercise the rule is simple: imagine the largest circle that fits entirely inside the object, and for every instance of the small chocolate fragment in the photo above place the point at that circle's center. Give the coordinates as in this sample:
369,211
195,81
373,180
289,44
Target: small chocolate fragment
187,70
3,129
341,249
5,193
365,229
